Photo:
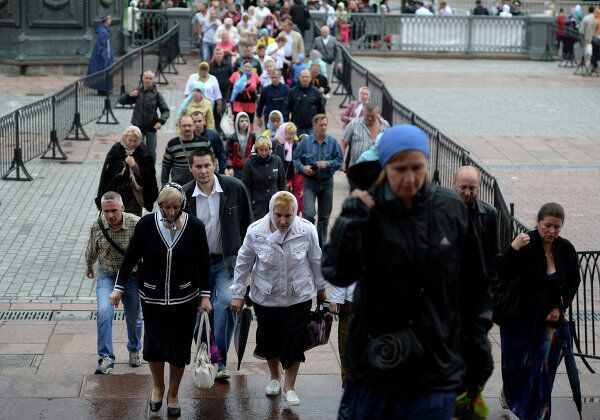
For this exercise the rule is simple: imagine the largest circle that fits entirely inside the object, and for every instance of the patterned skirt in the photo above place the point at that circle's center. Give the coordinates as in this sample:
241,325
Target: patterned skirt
529,363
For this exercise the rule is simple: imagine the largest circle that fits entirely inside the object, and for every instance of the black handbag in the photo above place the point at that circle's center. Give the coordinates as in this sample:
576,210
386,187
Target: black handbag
508,300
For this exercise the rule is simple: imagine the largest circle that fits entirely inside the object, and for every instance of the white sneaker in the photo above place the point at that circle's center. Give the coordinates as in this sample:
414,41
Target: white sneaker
291,398
273,387
222,374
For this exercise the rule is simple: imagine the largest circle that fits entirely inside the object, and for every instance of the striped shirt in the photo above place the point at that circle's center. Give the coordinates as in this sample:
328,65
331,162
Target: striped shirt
98,248
175,160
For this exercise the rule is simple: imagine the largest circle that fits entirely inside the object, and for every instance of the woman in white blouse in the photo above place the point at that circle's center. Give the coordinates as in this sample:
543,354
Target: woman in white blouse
282,252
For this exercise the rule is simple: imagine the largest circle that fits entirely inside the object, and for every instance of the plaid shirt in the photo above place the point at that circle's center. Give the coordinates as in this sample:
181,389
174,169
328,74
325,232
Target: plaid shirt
357,134
98,248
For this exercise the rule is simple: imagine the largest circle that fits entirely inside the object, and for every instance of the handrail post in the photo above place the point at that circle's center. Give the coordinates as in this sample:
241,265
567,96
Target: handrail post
17,163
76,126
54,145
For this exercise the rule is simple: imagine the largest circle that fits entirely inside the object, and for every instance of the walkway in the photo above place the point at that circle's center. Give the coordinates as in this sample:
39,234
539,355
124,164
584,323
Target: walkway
46,364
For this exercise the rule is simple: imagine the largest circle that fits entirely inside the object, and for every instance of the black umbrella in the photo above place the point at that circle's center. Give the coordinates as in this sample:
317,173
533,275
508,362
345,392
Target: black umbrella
567,353
242,329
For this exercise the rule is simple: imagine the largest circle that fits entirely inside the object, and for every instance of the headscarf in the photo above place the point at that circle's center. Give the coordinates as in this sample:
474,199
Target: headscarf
279,236
270,126
401,138
288,145
200,66
197,86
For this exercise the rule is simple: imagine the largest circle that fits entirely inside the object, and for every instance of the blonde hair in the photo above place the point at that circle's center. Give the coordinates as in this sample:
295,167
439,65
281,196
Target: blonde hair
260,142
133,131
291,128
169,195
286,200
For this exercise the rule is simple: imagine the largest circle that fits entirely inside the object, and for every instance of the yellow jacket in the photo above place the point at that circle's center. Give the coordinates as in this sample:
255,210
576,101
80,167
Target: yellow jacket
203,106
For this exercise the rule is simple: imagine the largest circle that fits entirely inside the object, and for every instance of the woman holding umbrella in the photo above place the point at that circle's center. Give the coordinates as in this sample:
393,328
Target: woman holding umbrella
538,277
282,252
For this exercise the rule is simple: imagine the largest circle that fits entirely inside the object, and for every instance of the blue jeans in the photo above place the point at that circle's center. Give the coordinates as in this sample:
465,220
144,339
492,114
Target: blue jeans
149,140
221,318
131,303
208,49
321,191
361,401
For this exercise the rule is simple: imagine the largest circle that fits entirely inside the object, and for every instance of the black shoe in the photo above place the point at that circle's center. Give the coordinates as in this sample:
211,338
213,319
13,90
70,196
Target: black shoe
174,411
154,406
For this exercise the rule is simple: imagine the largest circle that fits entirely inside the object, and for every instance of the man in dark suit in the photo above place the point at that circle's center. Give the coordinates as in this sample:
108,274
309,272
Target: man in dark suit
466,183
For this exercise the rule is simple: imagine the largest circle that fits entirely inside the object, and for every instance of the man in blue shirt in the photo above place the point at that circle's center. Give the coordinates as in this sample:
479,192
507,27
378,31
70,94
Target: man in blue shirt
317,157
272,98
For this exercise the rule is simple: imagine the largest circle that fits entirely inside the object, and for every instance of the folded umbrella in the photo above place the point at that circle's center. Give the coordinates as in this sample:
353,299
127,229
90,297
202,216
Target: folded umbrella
572,374
242,330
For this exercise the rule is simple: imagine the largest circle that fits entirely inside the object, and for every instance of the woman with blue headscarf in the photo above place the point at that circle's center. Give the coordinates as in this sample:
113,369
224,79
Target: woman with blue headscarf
421,309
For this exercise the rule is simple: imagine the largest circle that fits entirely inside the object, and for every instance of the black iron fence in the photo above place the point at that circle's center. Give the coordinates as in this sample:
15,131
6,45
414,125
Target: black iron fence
37,129
446,157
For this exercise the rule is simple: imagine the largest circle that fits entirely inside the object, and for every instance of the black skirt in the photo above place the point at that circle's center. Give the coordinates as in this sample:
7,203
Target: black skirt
281,332
168,332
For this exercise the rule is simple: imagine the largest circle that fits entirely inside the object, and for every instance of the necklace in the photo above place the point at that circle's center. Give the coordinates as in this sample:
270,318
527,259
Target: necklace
548,255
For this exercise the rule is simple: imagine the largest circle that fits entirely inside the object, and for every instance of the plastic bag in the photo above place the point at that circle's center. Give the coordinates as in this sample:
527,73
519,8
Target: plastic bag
227,123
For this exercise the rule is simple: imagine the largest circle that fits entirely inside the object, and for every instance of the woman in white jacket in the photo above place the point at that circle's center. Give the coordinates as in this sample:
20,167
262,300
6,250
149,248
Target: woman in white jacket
282,252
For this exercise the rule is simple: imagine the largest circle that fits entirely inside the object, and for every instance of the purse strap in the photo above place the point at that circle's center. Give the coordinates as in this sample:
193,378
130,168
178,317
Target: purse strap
108,238
204,322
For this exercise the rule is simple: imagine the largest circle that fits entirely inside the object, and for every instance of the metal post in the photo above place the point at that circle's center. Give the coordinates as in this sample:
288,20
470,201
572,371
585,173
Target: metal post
73,133
54,145
17,163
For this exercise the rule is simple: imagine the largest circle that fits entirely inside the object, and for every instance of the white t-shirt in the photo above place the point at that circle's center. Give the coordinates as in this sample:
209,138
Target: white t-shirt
212,92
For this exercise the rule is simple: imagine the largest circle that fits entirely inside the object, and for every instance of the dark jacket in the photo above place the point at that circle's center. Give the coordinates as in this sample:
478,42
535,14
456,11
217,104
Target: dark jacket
486,226
303,103
115,177
480,10
321,82
263,177
272,98
418,270
144,112
300,15
235,215
288,166
526,271
169,276
222,72
217,146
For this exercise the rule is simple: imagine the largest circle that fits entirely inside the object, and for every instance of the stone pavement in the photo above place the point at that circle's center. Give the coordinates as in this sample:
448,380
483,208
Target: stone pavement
531,124
46,363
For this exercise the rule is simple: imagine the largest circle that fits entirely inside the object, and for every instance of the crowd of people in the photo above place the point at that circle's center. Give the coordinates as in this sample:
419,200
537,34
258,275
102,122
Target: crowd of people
241,216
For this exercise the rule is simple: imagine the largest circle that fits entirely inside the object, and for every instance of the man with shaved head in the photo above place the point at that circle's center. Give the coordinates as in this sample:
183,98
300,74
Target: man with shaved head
484,217
147,100
303,102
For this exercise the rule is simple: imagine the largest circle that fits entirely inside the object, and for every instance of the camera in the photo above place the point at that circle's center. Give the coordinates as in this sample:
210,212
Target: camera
314,167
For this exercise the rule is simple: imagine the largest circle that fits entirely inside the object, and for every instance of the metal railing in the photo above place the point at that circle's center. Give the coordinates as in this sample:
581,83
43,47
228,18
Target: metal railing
460,34
36,129
526,7
446,156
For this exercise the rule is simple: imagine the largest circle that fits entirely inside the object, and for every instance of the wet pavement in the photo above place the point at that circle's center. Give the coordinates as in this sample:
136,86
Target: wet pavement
46,366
